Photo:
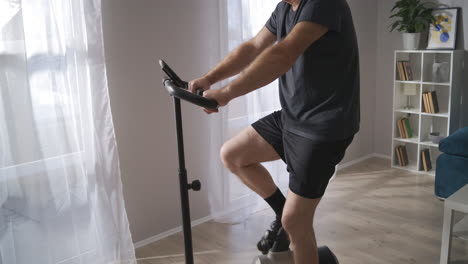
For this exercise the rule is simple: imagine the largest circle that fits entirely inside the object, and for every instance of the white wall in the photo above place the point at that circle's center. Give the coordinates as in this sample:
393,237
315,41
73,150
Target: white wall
136,34
185,34
387,43
365,18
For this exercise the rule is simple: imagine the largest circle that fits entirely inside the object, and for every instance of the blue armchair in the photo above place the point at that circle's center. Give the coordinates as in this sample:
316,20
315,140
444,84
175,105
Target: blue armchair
452,164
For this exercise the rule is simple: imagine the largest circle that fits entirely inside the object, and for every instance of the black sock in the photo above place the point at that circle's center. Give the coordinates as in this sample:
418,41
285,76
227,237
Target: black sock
277,201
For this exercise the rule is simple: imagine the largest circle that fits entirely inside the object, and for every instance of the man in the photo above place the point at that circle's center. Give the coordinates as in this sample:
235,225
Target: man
311,46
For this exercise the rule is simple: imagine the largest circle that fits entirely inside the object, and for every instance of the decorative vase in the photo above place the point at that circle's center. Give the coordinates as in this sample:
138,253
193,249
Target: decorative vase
411,41
441,72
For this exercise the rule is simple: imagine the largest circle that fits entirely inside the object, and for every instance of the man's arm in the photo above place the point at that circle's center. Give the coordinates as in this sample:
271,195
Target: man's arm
241,57
237,60
274,61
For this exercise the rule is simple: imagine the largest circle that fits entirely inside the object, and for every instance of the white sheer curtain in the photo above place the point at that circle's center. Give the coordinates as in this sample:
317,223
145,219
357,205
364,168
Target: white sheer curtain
240,21
60,190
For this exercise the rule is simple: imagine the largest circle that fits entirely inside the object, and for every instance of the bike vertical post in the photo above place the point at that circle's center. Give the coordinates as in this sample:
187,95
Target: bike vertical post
184,186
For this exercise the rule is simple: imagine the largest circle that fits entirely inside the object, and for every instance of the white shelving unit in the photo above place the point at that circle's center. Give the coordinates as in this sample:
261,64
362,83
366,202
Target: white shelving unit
450,100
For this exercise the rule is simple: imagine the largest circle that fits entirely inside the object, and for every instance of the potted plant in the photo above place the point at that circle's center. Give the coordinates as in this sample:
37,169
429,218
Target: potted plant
412,18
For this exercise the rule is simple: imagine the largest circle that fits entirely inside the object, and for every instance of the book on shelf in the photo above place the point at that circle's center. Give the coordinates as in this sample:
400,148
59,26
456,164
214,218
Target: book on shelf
408,71
402,155
430,102
398,155
404,71
431,105
408,127
402,151
401,75
405,155
426,102
404,128
423,104
400,127
426,160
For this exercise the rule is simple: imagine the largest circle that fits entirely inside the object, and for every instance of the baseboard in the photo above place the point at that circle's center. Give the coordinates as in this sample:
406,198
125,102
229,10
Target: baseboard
352,162
219,215
382,156
170,232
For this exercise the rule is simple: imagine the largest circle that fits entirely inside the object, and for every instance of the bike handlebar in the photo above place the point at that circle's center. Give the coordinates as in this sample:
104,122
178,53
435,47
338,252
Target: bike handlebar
178,88
190,97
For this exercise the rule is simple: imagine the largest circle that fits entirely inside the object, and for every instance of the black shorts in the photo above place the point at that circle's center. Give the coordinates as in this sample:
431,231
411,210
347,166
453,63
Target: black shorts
310,163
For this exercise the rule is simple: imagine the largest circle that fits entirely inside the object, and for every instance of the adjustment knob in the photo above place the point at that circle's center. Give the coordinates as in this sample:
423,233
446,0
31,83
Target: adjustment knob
195,185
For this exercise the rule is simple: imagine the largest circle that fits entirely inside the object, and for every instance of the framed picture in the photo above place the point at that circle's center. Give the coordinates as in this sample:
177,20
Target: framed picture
443,32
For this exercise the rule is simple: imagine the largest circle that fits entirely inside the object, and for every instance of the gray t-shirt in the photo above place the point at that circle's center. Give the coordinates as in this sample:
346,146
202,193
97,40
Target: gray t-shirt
319,95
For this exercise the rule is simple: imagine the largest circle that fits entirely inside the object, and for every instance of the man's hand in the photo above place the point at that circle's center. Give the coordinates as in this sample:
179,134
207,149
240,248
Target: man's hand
221,96
200,83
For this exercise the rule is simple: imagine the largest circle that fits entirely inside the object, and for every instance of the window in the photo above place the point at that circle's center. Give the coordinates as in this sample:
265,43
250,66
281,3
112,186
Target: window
39,81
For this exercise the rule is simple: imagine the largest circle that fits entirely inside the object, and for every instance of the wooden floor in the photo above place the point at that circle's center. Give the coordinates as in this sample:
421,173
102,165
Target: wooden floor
370,214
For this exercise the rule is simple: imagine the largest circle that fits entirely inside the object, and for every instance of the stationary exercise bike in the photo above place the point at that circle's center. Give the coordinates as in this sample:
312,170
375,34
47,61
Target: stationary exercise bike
279,252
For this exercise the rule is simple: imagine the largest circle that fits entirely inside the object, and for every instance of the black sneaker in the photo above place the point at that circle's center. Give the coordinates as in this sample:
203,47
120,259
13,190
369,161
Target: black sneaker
281,242
270,237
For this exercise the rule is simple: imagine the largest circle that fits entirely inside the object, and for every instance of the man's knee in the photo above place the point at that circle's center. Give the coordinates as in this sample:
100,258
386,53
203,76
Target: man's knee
230,157
245,149
297,224
298,213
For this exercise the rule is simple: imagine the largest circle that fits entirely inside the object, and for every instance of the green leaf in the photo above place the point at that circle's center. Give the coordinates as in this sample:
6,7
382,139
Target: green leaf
398,4
402,29
411,15
394,25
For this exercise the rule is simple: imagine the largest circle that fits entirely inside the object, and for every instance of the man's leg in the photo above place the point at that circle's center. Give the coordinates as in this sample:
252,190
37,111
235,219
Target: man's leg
298,216
311,163
243,154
